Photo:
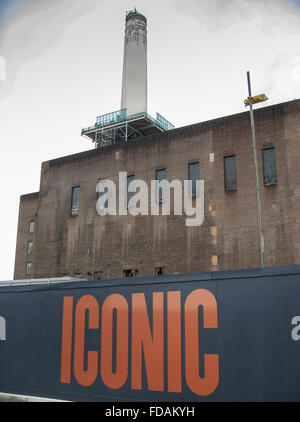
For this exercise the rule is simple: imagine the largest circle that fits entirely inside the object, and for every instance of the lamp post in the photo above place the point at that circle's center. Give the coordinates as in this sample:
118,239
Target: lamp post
249,102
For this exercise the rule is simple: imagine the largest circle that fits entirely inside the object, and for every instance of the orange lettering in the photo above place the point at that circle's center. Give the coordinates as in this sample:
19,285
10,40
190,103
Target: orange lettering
208,384
114,380
66,346
85,377
151,344
174,342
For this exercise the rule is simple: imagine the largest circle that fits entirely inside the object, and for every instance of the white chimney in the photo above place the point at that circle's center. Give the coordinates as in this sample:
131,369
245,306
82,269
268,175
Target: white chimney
134,85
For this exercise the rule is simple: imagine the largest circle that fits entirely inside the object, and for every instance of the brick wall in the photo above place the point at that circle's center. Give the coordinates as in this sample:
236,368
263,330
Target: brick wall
27,213
229,237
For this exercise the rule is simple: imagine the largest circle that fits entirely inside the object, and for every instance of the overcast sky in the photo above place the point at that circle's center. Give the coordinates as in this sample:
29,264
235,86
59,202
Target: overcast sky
64,67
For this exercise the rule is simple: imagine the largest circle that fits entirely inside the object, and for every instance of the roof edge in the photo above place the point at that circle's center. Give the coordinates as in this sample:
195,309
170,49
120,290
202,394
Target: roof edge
180,131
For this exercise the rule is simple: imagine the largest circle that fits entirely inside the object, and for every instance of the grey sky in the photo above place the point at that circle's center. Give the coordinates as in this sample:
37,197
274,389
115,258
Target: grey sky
64,67
34,27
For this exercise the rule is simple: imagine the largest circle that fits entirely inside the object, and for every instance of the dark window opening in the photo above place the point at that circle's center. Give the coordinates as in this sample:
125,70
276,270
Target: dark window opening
98,275
160,271
159,176
127,273
269,166
130,179
99,194
194,175
29,247
230,173
75,200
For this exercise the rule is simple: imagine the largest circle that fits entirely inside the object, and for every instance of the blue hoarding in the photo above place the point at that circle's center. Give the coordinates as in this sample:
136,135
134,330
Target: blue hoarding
217,336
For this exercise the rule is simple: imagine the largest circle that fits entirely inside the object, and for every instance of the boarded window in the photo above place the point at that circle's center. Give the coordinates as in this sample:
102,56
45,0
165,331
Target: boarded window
28,268
159,176
31,227
269,165
75,200
130,180
230,174
99,194
194,174
98,275
29,247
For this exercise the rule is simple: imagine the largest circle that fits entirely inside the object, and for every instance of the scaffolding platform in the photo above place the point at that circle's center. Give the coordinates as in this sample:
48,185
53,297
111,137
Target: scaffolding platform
114,127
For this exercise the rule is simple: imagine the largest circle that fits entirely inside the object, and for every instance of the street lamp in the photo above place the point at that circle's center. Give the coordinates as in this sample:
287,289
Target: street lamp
249,102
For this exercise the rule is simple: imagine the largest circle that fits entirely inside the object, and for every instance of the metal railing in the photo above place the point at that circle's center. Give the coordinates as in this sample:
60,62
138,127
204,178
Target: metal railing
110,118
120,116
164,122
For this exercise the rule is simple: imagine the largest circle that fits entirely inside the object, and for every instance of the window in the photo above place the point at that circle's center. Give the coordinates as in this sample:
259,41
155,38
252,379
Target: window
269,166
194,176
102,189
31,227
98,275
75,200
230,174
129,194
99,194
77,275
127,273
28,268
160,271
100,184
29,247
160,175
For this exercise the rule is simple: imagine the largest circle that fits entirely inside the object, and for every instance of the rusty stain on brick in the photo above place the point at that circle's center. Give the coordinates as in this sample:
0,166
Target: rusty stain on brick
214,260
213,231
160,264
213,206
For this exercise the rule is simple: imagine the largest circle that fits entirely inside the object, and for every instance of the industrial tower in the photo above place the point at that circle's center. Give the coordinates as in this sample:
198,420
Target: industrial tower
134,85
132,121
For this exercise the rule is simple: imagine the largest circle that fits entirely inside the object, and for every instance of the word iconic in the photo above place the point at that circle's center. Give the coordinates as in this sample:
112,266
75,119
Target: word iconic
126,339
138,203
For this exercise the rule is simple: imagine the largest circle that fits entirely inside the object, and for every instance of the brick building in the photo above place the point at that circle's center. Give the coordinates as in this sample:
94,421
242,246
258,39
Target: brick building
55,241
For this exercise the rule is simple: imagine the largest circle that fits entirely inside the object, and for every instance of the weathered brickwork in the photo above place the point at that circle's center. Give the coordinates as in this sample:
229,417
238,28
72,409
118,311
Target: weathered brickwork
229,236
27,213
